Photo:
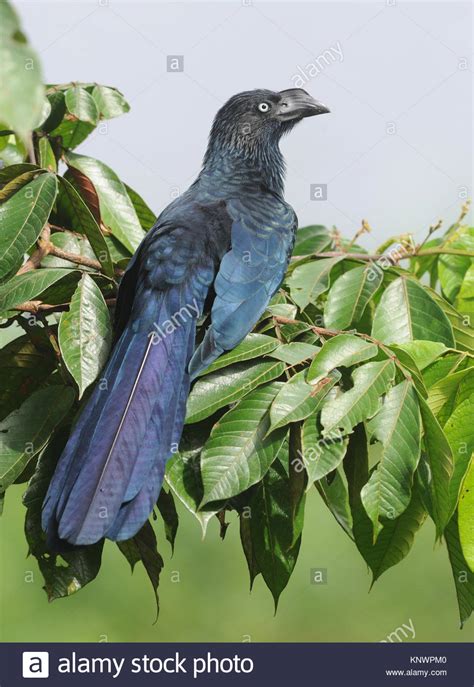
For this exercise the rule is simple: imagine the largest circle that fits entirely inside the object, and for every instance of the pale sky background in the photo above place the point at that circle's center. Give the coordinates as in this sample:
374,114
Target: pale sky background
396,148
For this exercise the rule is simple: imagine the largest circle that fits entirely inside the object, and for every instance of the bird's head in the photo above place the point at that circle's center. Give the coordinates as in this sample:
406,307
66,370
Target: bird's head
254,120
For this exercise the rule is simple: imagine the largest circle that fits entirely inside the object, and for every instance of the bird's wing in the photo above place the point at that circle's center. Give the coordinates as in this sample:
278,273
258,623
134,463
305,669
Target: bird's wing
249,275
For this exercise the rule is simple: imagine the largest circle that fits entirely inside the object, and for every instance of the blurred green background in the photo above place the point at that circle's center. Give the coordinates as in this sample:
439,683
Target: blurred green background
211,601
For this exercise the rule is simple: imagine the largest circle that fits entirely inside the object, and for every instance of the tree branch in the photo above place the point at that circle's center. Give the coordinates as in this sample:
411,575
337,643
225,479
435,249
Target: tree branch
36,307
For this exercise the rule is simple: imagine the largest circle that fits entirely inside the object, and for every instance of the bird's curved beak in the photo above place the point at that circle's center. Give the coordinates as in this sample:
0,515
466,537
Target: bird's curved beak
295,103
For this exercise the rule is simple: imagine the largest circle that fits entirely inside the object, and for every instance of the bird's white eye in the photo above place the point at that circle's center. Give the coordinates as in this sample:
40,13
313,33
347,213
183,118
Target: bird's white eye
264,107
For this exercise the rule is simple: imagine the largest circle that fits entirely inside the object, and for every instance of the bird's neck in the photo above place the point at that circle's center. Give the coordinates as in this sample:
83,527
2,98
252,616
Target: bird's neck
232,168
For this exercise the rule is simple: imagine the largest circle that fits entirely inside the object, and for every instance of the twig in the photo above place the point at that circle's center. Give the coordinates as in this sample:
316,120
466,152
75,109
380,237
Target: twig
335,332
36,307
43,249
379,256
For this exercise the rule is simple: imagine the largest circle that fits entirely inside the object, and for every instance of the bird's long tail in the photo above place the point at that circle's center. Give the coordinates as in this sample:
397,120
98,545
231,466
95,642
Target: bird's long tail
111,470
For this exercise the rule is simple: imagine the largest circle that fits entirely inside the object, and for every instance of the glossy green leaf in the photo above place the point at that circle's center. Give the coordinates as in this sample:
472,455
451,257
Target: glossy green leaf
333,491
320,455
459,432
342,350
226,386
407,312
238,453
310,280
349,296
28,286
272,526
397,426
362,401
85,333
81,105
110,102
297,399
24,366
423,352
22,217
440,460
168,512
396,537
81,219
13,185
25,431
295,352
466,517
312,239
69,572
46,155
462,575
143,547
253,346
116,208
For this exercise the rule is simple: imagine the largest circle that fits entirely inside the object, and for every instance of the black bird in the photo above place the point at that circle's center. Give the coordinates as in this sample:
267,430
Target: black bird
222,247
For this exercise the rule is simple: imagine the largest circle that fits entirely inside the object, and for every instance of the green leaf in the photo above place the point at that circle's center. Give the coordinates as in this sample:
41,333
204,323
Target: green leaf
362,401
74,568
443,396
24,366
253,346
463,577
145,215
407,312
295,352
320,455
81,105
46,155
423,353
443,367
440,460
25,431
22,92
465,298
110,102
466,517
398,427
333,491
349,296
81,219
396,538
169,514
297,399
272,526
27,286
247,545
342,350
459,432
463,332
116,207
409,365
310,280
85,333
11,172
238,453
12,186
223,387
22,218
143,547
183,475
312,239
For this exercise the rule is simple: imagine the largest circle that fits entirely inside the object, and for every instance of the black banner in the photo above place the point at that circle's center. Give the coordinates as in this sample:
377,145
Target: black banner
325,665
